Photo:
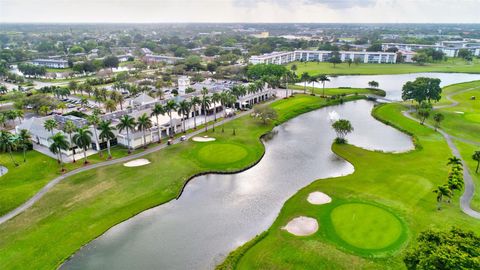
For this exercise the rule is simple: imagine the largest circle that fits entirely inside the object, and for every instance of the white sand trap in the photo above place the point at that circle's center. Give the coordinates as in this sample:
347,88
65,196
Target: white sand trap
459,112
318,197
302,226
137,162
203,139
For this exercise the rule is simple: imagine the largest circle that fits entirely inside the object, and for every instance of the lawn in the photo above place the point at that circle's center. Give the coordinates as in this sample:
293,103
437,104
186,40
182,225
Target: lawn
84,206
338,91
399,185
452,65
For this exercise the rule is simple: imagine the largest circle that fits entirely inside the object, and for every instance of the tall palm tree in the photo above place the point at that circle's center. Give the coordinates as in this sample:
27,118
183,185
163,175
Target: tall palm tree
23,139
323,78
216,97
305,78
110,105
7,144
157,110
94,120
442,191
170,107
313,80
106,134
127,123
69,127
59,143
476,157
289,76
205,105
195,102
83,139
184,110
144,123
50,125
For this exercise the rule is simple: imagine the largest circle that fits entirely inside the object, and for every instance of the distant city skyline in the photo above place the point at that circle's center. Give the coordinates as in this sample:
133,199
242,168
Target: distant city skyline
218,11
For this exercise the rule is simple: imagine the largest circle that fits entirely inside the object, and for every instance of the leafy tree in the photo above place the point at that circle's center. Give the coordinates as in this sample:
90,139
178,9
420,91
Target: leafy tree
465,54
422,89
424,113
438,117
59,143
420,58
259,71
144,123
476,157
335,59
76,49
83,138
454,249
265,112
110,62
342,127
373,84
376,47
128,124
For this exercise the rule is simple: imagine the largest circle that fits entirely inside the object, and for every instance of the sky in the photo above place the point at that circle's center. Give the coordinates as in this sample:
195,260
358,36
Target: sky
268,11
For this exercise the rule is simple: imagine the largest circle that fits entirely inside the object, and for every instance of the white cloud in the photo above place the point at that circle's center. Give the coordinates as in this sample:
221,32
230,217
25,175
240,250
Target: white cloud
392,11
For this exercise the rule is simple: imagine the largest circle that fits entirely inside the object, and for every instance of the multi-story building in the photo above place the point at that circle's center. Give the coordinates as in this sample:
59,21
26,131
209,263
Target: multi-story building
51,63
163,58
281,58
449,48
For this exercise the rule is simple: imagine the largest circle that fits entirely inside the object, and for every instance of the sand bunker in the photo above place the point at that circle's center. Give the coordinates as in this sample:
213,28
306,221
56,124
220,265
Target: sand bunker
137,162
203,139
302,226
318,197
459,112
3,170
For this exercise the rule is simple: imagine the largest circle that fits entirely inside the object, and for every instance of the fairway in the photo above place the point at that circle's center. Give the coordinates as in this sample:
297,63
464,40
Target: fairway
221,153
366,226
452,65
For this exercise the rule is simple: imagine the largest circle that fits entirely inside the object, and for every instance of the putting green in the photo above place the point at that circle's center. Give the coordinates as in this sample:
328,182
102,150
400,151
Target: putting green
221,153
366,226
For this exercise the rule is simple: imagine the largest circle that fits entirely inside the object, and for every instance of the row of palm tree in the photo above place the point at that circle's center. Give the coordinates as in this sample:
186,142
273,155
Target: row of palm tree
10,116
10,142
322,78
455,181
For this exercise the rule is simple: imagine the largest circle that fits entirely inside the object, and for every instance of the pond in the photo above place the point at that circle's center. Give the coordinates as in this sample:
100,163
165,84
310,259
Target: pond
217,213
392,84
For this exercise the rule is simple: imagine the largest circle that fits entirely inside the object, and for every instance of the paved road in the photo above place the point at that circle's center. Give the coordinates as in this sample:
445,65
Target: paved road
55,181
469,191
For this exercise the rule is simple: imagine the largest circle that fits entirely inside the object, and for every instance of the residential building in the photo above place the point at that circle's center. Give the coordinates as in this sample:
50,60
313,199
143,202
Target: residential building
281,58
163,58
51,63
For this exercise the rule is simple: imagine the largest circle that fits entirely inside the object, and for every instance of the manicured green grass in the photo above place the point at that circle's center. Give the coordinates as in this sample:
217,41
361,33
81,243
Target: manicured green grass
401,184
84,206
452,65
338,91
221,153
366,226
59,70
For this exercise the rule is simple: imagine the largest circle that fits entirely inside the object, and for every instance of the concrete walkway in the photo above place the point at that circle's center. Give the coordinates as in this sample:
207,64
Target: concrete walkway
55,181
467,195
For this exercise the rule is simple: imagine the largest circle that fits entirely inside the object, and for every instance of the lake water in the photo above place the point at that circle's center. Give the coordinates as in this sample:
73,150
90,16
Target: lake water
392,84
217,213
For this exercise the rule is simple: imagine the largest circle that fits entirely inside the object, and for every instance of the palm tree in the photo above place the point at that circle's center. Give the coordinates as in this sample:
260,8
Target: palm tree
59,143
69,127
110,105
205,105
83,139
442,191
305,78
156,111
23,140
184,110
323,78
216,97
50,125
73,86
454,161
170,107
83,102
106,133
144,123
313,80
438,117
194,102
7,144
61,106
93,120
3,120
127,123
476,157
289,76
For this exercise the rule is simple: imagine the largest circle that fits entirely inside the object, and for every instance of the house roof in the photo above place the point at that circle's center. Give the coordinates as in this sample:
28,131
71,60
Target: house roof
142,99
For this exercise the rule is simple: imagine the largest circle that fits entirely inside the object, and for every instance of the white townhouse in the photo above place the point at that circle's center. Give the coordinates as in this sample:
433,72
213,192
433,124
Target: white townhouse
50,63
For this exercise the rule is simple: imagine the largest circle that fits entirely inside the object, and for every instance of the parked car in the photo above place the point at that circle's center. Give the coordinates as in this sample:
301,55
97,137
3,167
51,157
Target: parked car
183,138
170,142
